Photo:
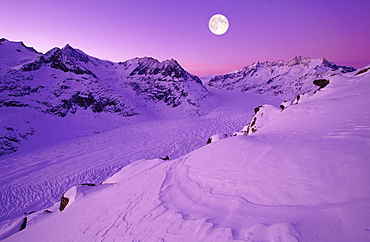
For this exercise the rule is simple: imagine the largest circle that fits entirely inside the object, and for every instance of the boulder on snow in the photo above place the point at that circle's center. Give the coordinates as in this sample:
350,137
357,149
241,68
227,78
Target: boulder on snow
165,158
216,137
285,104
321,82
239,133
67,198
302,98
24,224
63,203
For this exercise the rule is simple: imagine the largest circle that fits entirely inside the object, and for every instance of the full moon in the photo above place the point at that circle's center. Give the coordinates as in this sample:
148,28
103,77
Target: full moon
218,24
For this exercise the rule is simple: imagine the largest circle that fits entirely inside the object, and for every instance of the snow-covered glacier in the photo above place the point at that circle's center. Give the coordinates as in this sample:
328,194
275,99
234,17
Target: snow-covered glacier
284,170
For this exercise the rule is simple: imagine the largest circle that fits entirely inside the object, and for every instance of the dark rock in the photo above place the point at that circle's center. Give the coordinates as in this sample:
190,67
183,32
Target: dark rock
24,224
88,184
362,71
321,83
209,141
257,109
63,203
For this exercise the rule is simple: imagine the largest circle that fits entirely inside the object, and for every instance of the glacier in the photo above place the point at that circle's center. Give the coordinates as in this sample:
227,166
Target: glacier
302,175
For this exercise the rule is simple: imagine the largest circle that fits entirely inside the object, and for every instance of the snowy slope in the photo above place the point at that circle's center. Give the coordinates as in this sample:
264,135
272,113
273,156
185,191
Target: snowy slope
302,176
14,54
67,82
93,156
279,78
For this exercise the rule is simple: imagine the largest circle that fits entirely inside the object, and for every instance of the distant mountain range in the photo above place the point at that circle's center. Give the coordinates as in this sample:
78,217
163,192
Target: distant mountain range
66,81
279,78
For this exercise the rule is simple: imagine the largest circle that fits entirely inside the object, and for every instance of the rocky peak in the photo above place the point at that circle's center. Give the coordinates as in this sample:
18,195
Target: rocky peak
279,78
172,68
66,59
333,66
299,60
149,66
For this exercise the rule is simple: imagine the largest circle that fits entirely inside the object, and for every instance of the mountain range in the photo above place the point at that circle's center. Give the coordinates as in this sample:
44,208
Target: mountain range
65,81
142,150
279,78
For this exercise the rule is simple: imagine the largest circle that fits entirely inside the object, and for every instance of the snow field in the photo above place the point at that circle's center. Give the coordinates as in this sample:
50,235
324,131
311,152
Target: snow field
303,176
28,186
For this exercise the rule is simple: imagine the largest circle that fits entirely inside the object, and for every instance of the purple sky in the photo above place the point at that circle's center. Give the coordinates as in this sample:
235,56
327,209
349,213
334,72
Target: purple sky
260,30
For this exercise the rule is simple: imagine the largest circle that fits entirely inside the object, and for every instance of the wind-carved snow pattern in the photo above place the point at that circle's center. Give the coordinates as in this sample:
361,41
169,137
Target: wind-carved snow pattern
303,176
223,212
67,163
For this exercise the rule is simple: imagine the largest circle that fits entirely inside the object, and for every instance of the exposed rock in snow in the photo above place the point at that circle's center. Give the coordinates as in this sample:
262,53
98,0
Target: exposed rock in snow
216,137
67,81
263,116
302,177
68,198
15,54
321,82
363,70
63,80
279,78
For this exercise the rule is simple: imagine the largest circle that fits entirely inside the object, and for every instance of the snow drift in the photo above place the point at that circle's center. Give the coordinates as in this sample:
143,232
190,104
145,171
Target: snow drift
302,176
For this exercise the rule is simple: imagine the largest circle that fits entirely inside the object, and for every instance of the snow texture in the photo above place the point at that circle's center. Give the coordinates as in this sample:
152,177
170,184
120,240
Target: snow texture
279,78
302,175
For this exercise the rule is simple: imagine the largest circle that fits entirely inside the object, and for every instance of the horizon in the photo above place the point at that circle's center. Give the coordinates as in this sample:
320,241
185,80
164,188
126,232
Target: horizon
185,67
266,30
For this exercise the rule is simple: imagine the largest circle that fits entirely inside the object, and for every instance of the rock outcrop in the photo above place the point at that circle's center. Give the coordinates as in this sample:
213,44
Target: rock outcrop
279,78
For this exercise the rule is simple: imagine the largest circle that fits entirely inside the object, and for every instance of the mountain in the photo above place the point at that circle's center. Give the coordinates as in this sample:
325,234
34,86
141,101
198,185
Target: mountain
70,79
105,154
302,175
279,78
66,81
13,54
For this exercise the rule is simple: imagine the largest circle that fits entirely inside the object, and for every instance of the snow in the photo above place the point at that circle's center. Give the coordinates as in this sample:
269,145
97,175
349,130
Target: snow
303,176
61,160
13,54
279,78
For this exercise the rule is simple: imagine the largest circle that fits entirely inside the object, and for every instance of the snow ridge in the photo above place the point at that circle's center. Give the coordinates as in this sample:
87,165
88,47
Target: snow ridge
279,78
66,81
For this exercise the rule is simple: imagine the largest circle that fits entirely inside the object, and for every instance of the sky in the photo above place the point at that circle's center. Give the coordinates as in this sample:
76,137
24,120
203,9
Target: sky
260,30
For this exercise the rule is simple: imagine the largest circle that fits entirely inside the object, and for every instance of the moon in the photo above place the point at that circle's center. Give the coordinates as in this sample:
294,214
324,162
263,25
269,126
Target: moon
218,24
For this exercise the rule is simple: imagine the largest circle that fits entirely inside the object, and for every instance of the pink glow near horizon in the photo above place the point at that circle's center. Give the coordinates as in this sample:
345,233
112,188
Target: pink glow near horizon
263,30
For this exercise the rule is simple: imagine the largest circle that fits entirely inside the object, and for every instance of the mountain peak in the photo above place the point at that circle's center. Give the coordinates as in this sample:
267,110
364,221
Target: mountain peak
68,47
300,60
17,51
279,78
170,62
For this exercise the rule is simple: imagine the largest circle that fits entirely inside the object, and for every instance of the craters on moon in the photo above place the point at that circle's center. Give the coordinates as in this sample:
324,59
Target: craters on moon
218,24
